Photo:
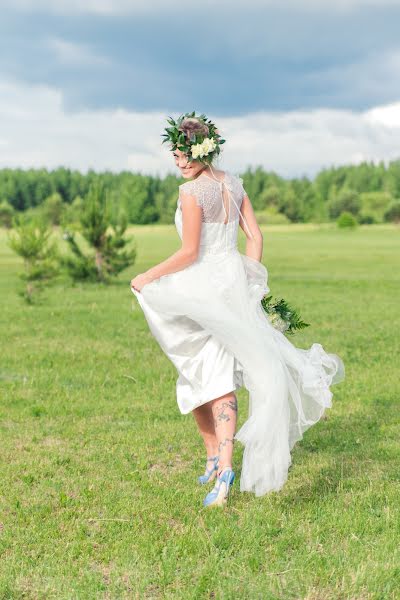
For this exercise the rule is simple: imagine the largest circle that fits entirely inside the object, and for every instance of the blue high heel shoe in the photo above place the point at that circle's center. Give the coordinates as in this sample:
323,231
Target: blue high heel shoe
210,473
219,495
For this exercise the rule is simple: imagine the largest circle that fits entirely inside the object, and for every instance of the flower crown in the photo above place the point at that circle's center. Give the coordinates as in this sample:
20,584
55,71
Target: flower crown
197,137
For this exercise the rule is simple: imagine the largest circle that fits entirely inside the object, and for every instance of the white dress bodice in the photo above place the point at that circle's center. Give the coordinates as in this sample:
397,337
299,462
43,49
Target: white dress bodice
220,202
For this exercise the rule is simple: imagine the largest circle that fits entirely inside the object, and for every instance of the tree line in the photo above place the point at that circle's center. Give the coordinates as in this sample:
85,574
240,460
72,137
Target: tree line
370,192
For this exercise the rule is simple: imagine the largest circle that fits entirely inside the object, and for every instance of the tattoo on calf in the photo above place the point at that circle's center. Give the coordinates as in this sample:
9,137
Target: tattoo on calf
222,415
222,444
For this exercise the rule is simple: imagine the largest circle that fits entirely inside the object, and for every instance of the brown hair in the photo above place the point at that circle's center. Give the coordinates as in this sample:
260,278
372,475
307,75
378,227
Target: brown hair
191,126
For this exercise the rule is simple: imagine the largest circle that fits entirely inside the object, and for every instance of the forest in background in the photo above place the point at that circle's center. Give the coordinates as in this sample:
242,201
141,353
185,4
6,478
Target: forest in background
370,192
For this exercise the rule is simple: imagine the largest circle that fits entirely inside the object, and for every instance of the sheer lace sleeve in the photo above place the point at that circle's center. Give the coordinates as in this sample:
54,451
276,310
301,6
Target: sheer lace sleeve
191,188
241,189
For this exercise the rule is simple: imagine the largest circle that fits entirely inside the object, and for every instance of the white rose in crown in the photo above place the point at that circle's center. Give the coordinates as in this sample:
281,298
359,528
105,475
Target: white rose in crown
196,150
209,145
200,150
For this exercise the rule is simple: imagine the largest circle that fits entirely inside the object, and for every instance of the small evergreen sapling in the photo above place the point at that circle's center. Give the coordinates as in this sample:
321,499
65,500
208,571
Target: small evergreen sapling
108,254
347,221
31,240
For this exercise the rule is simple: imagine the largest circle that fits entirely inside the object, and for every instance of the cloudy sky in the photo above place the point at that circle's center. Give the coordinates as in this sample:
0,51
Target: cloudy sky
293,85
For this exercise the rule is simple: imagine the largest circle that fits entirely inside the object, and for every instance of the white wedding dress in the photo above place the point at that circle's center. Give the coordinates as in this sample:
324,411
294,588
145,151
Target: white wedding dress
209,321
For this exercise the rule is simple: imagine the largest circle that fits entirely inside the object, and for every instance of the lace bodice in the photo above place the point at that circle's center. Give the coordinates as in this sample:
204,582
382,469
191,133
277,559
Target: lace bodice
209,194
220,202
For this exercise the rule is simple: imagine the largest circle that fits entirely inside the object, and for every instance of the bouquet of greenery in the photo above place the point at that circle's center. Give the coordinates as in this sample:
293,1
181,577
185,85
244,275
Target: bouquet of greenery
282,316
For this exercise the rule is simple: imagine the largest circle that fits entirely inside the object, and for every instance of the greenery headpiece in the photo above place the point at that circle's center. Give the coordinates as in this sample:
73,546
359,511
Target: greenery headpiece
197,137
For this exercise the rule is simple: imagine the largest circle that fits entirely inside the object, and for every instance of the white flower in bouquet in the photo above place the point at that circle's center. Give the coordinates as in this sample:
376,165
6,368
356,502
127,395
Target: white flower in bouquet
278,323
282,316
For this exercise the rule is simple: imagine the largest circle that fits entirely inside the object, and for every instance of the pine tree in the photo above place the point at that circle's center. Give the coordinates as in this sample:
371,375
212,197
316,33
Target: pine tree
31,240
108,254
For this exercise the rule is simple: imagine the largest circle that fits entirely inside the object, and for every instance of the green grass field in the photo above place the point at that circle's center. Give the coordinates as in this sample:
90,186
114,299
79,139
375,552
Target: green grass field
99,493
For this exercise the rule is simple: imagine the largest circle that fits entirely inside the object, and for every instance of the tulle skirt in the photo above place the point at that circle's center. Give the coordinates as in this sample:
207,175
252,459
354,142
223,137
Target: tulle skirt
217,301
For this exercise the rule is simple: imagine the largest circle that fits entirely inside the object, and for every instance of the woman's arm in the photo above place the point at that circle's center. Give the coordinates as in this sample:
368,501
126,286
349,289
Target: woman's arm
255,241
187,254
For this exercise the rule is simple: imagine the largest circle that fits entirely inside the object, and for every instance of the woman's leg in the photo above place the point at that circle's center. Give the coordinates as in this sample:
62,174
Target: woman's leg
205,422
225,410
216,421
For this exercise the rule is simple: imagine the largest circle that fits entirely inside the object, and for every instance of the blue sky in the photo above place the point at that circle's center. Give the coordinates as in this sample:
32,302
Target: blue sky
292,85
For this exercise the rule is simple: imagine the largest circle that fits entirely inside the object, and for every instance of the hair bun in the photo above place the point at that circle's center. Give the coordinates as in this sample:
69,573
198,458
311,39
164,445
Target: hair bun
192,125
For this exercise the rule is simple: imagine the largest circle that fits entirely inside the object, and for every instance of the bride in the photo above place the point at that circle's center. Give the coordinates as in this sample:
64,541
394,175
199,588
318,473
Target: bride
203,306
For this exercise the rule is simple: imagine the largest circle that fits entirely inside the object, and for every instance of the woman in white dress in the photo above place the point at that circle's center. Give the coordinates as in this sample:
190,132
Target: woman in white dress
203,306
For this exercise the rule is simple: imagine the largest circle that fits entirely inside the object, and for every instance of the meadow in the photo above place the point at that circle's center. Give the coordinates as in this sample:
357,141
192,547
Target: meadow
98,494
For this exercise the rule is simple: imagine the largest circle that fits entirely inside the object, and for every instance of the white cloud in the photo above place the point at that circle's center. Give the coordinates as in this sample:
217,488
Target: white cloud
123,7
302,142
74,54
389,115
74,6
37,132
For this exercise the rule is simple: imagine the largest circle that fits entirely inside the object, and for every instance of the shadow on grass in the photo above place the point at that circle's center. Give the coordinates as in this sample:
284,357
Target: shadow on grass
355,449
